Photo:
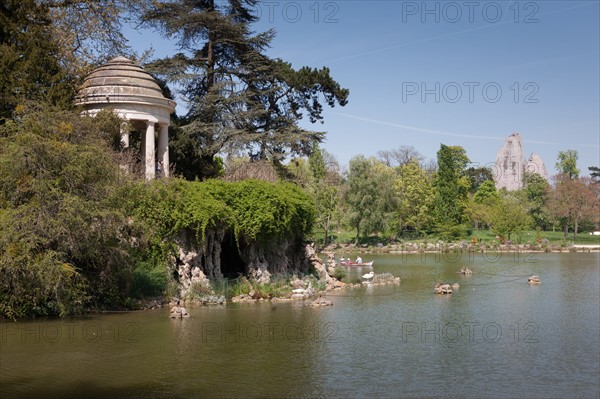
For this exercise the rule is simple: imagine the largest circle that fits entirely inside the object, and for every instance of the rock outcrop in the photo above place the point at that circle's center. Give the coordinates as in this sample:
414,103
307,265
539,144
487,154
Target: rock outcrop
317,264
510,162
511,165
535,164
196,264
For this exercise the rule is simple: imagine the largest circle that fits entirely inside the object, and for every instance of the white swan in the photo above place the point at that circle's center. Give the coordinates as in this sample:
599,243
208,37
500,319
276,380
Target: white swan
299,291
369,275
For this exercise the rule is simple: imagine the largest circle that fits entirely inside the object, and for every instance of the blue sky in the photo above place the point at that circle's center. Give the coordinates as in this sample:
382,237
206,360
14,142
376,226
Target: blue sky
465,73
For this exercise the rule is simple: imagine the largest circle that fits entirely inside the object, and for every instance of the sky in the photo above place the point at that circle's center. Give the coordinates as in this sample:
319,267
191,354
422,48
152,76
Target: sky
465,73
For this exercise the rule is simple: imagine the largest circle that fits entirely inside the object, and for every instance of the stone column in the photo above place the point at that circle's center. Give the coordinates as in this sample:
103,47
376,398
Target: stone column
149,151
163,149
125,143
125,135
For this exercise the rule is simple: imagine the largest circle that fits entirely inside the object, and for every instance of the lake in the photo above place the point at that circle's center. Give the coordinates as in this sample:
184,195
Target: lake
496,336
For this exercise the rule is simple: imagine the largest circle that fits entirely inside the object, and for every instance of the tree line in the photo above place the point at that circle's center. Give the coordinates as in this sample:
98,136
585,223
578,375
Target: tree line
397,196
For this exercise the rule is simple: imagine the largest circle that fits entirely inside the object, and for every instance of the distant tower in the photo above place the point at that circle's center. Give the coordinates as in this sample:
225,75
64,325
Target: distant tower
510,164
133,94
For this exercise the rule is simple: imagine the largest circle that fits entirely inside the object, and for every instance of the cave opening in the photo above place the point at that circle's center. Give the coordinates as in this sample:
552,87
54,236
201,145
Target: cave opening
232,264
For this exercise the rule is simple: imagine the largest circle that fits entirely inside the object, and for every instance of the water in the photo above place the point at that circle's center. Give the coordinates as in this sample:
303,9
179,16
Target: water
494,337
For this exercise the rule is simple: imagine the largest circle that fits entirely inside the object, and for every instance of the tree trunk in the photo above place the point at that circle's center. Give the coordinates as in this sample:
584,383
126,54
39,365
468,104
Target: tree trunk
566,229
575,227
210,57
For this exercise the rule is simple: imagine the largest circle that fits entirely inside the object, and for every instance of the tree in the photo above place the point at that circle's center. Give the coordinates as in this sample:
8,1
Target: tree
478,176
401,156
451,187
414,192
369,195
509,216
486,193
572,201
535,191
595,173
480,204
240,100
567,163
324,185
89,30
29,58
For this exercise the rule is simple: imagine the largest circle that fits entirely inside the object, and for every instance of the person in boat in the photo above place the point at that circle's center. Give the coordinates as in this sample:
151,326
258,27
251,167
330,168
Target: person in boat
358,259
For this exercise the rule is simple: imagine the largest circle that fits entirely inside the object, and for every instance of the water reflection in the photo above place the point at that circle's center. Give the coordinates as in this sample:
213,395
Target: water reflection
496,336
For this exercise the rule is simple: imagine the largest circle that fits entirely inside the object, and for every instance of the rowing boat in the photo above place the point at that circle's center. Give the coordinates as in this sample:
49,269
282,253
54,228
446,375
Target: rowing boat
354,264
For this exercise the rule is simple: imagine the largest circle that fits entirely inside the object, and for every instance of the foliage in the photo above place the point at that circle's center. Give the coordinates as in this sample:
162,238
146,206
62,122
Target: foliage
401,156
478,212
595,173
340,273
369,195
62,232
566,163
29,51
536,190
478,176
509,216
573,201
251,209
486,193
451,186
324,186
414,191
279,287
88,30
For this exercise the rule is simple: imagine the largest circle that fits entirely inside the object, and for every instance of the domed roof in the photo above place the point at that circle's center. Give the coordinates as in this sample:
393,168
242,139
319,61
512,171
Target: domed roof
121,80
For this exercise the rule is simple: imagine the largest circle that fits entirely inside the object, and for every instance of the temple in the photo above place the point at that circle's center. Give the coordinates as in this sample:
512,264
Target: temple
132,93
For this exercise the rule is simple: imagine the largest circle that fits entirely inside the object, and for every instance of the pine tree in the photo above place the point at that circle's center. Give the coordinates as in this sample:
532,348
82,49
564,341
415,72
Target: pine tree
240,100
29,63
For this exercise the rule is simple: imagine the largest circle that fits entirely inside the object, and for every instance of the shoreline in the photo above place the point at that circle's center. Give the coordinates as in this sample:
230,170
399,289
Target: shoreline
458,248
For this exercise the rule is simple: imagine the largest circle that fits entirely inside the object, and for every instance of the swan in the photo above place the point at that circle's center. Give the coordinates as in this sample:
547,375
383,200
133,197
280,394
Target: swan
299,291
369,275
